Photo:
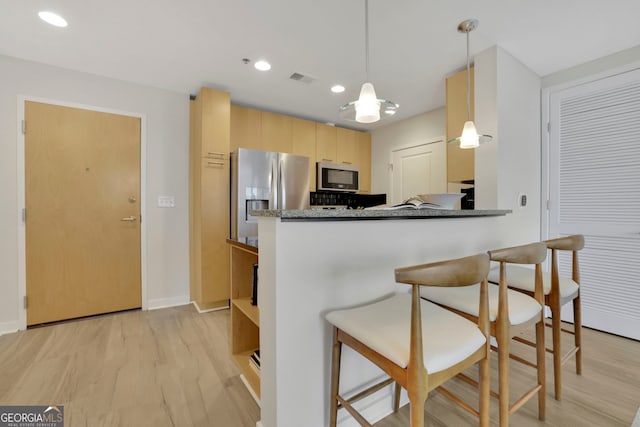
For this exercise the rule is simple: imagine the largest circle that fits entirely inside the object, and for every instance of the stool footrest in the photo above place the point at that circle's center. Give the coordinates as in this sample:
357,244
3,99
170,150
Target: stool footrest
459,401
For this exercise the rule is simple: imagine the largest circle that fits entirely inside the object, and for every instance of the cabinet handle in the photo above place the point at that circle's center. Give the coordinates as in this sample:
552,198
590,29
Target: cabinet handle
221,164
327,160
346,163
215,155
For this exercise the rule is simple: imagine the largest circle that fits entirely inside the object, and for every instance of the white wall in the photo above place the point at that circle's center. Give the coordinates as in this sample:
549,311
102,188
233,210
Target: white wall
416,130
591,68
507,103
167,115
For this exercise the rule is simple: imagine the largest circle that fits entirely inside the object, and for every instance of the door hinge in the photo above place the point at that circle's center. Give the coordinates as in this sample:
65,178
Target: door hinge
24,215
548,204
25,302
548,126
24,127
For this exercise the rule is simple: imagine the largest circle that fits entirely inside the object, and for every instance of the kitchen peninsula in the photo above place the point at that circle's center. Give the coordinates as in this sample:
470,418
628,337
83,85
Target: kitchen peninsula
315,261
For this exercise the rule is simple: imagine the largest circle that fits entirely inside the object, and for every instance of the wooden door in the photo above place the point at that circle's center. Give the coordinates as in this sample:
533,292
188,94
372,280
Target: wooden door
304,143
326,145
460,162
276,132
82,191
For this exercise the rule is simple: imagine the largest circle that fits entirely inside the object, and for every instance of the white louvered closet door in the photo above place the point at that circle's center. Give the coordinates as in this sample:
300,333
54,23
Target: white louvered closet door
594,189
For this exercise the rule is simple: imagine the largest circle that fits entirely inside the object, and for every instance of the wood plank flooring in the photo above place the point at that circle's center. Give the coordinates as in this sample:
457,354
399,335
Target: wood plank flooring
169,367
172,367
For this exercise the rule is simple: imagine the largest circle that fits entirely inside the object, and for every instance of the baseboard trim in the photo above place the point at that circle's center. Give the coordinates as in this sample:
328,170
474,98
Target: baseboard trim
154,304
9,327
208,310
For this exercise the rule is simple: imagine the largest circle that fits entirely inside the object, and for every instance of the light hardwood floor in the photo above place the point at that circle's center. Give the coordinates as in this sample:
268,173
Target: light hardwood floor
172,367
168,367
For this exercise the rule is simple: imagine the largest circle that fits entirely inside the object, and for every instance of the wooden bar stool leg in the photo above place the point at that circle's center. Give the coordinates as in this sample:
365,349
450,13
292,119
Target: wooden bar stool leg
485,390
335,378
556,325
396,399
503,376
417,411
577,325
540,356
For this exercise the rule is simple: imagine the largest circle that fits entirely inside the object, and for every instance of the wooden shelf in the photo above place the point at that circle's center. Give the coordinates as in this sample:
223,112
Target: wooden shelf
242,360
251,311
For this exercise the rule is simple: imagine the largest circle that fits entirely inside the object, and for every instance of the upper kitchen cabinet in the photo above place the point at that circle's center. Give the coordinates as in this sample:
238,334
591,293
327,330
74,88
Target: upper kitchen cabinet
209,142
326,143
276,132
214,126
246,128
304,143
460,163
363,141
347,146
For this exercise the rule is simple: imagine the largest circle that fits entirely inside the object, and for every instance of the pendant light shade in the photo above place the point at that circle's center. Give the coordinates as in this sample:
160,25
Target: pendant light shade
470,137
367,108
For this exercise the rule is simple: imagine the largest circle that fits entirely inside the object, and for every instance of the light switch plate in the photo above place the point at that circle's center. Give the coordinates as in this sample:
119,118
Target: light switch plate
166,201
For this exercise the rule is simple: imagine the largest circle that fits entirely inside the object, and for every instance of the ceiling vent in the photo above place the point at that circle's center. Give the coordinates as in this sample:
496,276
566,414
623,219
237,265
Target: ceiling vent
299,77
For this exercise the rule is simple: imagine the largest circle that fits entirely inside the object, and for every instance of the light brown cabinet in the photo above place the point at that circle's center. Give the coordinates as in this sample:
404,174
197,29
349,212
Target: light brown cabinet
347,151
303,134
363,141
326,143
262,130
276,132
209,198
246,128
460,163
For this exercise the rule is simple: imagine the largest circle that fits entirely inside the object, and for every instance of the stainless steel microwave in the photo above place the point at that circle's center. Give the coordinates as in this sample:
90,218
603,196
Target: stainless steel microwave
337,177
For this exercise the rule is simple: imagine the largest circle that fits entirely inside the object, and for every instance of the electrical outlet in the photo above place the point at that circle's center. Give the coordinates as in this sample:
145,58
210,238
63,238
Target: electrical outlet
522,200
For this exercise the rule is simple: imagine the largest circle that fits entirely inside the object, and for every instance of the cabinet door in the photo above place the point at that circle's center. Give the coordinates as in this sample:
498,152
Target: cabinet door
460,163
326,140
347,146
215,117
276,132
364,160
246,128
214,211
304,144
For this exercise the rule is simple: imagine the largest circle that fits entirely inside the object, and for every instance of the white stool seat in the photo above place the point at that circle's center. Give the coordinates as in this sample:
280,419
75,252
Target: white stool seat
384,326
524,278
465,299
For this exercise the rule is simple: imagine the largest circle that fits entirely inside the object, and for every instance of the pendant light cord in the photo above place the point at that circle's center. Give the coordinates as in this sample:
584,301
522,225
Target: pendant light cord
366,38
468,81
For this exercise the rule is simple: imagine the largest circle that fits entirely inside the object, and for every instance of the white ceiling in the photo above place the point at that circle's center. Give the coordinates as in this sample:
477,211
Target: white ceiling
182,45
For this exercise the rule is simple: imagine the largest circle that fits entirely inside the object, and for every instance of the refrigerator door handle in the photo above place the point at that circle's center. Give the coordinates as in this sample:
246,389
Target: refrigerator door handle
274,193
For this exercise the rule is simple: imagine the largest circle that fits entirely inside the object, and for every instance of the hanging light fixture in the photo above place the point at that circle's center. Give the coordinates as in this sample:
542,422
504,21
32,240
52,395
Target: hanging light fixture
368,107
470,137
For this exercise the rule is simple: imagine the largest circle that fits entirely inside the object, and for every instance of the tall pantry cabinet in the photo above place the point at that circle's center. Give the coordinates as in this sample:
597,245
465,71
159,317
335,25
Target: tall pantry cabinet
209,198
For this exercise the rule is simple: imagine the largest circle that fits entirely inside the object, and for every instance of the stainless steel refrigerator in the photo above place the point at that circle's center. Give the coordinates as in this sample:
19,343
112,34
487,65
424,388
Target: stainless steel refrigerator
265,180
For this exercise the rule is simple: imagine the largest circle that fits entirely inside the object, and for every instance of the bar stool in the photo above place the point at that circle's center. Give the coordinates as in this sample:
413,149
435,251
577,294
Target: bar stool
418,344
558,291
509,313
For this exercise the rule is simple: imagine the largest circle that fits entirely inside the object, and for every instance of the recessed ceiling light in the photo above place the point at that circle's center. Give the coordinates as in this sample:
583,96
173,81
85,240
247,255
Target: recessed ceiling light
262,65
337,89
52,18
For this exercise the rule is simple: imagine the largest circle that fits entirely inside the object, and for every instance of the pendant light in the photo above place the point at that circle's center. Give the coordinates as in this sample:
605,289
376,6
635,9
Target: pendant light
368,107
470,137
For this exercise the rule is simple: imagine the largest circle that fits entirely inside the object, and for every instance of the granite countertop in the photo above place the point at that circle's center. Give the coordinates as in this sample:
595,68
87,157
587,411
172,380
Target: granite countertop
368,214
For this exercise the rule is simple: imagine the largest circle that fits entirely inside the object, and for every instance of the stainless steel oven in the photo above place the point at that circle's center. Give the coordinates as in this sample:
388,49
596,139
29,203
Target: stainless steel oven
337,177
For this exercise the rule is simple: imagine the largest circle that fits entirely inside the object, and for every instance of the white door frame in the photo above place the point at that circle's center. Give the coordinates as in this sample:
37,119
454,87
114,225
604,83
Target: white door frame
22,270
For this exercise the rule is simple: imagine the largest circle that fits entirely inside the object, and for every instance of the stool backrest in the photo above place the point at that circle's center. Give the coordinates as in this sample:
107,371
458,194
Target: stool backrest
458,272
533,253
568,243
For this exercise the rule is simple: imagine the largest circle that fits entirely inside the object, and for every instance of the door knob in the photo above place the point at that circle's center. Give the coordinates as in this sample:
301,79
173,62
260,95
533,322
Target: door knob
129,218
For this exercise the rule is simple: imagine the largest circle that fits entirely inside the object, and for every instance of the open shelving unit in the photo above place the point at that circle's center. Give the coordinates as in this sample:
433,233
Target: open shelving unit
245,317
